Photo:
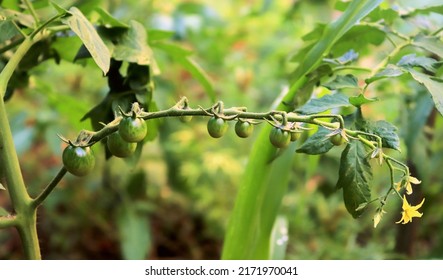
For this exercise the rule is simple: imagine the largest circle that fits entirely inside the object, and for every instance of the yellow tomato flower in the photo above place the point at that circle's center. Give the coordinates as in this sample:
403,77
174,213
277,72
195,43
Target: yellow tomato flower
411,180
410,211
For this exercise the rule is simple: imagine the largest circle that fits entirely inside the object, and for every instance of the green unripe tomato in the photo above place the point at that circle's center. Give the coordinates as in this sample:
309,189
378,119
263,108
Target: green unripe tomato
132,129
119,147
79,161
295,135
244,129
217,127
279,137
337,139
185,118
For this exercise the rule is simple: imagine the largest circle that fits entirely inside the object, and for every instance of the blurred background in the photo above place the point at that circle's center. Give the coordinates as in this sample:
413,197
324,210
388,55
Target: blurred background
175,202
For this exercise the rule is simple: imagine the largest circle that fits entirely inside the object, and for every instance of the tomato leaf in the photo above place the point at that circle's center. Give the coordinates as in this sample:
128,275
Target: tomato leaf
108,20
7,30
433,85
359,100
317,144
389,72
431,44
132,47
411,60
347,81
81,26
354,176
385,130
327,102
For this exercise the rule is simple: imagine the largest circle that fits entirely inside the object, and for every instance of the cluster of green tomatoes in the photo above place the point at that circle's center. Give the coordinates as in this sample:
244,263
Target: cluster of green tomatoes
79,159
122,143
280,136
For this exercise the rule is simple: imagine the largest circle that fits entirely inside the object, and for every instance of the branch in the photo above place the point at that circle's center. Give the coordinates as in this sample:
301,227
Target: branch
49,188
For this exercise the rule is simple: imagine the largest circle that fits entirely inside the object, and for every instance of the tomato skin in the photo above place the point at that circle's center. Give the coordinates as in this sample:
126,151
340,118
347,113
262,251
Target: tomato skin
133,130
279,137
217,127
337,139
119,147
79,161
185,118
295,135
244,129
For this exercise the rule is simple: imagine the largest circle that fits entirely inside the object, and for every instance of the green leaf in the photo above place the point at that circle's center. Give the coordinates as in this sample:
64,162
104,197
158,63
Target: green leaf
359,100
198,73
347,81
425,10
354,176
60,10
108,20
132,46
3,212
433,85
411,60
431,44
7,30
389,72
135,233
80,25
384,129
359,38
327,102
317,144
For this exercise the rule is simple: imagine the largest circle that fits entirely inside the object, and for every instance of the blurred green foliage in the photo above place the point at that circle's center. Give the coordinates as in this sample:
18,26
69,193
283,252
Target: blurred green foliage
174,203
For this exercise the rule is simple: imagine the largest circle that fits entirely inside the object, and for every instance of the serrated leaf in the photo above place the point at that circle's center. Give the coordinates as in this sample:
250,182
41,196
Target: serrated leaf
317,144
431,44
411,60
81,26
347,81
327,102
355,174
385,130
434,86
359,100
389,72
